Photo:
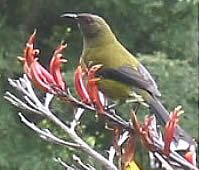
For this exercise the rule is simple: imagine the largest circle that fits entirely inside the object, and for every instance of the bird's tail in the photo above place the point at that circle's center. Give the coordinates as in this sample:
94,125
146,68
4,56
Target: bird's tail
159,110
163,116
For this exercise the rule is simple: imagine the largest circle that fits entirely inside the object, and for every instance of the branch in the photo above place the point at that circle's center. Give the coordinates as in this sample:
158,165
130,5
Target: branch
19,103
111,154
86,167
46,134
109,114
163,162
78,114
31,103
176,157
24,86
60,161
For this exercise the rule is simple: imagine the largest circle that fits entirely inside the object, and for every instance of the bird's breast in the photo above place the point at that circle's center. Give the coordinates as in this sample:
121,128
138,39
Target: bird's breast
112,56
114,90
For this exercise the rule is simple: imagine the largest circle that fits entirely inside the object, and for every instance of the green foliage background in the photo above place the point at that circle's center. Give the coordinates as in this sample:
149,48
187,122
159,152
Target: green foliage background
163,34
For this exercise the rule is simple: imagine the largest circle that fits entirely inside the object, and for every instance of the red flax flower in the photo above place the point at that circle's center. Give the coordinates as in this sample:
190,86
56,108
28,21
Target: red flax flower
190,157
129,152
80,85
87,88
41,77
147,131
170,128
30,54
150,136
55,66
92,87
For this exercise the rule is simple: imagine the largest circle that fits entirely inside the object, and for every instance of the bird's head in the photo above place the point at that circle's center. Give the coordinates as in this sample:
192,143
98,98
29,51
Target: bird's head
91,25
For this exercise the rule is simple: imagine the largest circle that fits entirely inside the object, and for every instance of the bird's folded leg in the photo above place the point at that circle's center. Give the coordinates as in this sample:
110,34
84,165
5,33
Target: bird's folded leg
111,106
137,98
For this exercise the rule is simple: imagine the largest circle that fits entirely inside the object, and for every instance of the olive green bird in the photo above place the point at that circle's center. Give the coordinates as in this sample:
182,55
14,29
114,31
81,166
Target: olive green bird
122,76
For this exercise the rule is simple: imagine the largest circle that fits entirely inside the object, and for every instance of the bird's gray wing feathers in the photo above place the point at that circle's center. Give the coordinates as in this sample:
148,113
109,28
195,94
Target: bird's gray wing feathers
139,78
147,76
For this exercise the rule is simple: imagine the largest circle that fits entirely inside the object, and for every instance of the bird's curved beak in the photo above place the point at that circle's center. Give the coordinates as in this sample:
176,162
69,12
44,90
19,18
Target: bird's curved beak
69,15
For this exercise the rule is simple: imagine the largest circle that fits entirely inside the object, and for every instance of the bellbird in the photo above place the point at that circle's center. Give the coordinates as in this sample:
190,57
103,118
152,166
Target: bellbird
122,76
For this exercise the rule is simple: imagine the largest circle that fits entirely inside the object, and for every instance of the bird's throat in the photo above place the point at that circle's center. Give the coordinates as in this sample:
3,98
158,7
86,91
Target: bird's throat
99,39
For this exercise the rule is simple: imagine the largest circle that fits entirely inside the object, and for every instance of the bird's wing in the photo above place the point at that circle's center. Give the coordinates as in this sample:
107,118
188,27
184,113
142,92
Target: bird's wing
147,76
139,78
